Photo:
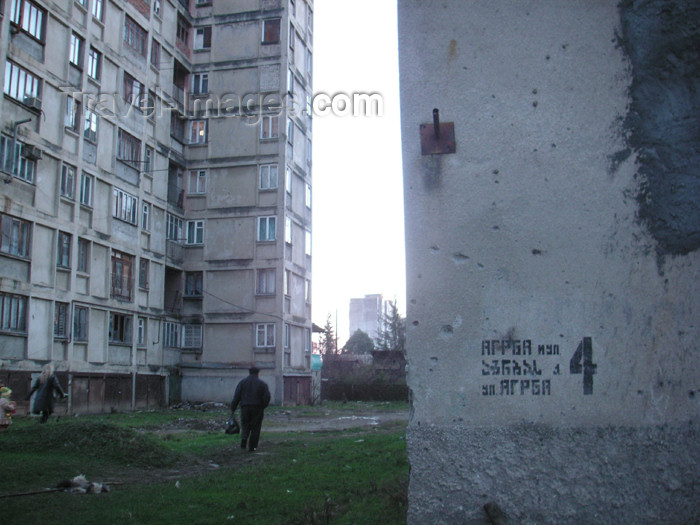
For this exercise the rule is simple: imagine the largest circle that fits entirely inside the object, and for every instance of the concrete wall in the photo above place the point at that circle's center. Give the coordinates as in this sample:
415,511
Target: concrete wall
552,261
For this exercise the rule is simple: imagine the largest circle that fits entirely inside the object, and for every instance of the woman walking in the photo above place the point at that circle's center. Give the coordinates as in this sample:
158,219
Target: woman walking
45,385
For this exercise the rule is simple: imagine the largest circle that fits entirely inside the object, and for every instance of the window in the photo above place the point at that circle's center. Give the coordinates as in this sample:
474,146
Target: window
75,55
271,31
15,236
119,328
183,29
21,166
156,6
265,335
148,160
83,255
286,284
143,273
308,151
20,84
13,312
146,216
90,126
63,250
173,230
269,127
60,320
292,42
290,131
122,265
128,147
86,184
287,335
193,284
307,243
197,182
307,340
192,336
134,36
125,206
267,228
29,17
80,323
133,90
266,282
309,63
72,118
67,181
155,54
198,132
288,230
307,290
141,331
195,232
268,176
171,335
290,82
94,64
97,9
202,38
292,8
288,181
307,199
200,83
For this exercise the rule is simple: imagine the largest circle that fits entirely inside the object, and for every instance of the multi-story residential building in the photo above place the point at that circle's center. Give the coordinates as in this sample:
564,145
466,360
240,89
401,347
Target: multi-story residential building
156,213
367,314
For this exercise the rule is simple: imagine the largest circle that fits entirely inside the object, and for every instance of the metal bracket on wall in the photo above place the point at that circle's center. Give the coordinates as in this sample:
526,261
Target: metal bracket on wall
437,138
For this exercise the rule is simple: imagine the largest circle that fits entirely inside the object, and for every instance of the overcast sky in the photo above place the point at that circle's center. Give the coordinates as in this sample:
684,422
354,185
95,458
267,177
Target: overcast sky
358,236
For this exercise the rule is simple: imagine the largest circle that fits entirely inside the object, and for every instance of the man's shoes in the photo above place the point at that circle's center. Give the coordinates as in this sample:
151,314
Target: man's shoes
252,450
244,443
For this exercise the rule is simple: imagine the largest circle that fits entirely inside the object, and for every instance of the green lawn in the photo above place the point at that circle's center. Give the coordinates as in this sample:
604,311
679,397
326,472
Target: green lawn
164,471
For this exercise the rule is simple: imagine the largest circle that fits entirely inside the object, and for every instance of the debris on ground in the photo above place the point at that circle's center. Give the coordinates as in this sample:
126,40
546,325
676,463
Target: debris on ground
81,485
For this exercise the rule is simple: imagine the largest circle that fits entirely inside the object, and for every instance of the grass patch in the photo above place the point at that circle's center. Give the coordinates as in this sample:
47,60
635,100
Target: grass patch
342,477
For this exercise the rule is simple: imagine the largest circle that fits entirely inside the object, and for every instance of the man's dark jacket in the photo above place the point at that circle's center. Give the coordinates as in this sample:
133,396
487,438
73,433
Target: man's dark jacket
251,391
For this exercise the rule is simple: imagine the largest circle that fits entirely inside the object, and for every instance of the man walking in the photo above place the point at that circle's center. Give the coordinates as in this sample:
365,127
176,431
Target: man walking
253,395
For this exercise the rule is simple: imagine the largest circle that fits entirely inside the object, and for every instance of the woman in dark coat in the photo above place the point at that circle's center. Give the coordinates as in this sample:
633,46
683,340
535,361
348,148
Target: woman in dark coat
44,386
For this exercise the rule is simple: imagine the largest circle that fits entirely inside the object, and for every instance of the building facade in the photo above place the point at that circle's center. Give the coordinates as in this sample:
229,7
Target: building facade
551,182
156,214
367,314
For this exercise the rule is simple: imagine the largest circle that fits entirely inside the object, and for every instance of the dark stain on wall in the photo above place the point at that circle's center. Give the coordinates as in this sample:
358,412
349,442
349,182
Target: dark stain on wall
661,39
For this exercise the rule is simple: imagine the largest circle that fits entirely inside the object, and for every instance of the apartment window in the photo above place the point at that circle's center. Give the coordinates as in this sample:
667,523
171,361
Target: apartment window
29,17
288,230
171,335
286,283
307,199
80,323
83,255
135,37
265,335
63,250
271,31
193,284
307,340
148,160
288,180
14,238
183,29
307,290
90,125
307,243
143,273
146,216
173,230
97,9
156,7
197,182
13,312
72,117
94,64
202,38
20,84
75,55
122,268
119,328
86,185
21,166
198,131
67,181
128,147
125,206
290,131
192,336
269,127
133,90
290,82
268,176
287,335
195,232
266,282
292,8
200,83
267,227
141,330
60,320
155,54
308,151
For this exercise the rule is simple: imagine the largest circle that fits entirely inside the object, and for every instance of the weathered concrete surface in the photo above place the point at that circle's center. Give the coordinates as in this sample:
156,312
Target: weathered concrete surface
553,277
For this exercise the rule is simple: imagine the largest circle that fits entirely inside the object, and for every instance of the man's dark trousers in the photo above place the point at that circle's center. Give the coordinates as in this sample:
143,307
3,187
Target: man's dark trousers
251,423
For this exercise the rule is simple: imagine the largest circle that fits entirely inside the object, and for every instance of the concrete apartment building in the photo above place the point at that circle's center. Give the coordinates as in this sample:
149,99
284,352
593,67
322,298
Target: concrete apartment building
366,314
156,217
